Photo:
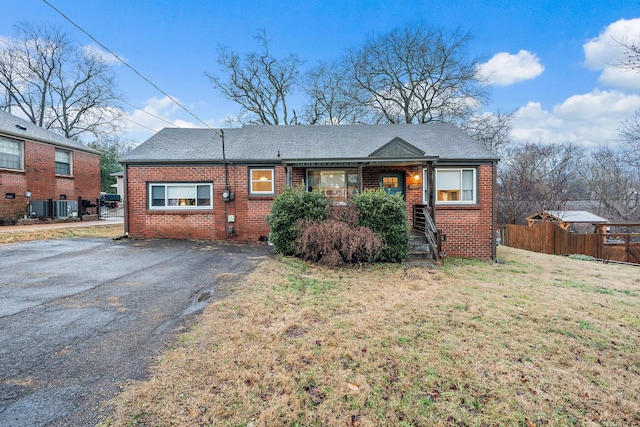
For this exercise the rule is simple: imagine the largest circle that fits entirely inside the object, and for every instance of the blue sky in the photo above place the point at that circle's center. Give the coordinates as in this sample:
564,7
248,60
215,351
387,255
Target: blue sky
551,61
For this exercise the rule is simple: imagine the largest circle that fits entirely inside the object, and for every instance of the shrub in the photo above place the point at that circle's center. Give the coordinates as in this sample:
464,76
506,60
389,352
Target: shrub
334,242
290,207
345,213
385,215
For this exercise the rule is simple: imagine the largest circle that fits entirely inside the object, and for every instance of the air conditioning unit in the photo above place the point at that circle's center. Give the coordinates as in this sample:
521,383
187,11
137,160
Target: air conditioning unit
65,208
54,208
40,208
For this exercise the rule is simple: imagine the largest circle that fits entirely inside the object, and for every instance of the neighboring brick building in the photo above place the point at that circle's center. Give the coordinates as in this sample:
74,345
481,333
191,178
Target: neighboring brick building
44,165
185,183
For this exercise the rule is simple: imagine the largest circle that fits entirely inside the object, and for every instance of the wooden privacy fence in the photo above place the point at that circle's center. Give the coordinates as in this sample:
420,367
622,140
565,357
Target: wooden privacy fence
550,238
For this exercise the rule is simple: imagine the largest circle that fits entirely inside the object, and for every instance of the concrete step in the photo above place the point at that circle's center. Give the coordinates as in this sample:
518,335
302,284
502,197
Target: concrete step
419,256
419,247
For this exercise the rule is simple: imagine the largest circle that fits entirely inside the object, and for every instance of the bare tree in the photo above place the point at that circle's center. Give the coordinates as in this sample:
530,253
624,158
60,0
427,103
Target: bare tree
331,100
534,177
630,134
630,60
260,83
58,85
417,74
614,183
491,129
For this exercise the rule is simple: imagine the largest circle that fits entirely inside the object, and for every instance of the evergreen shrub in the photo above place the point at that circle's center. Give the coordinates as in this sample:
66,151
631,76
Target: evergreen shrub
290,207
385,215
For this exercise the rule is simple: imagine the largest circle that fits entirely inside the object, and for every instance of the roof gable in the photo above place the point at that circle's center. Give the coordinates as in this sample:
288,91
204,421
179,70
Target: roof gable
397,147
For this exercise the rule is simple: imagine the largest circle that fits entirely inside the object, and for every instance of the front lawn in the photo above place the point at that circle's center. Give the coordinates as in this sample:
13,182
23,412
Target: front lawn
538,340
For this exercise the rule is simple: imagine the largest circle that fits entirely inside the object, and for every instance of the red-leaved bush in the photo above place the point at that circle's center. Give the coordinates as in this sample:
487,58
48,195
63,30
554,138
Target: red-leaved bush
345,213
333,242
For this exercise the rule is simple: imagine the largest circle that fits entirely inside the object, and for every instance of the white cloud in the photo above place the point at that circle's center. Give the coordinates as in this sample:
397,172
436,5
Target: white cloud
158,113
605,52
505,69
105,56
590,119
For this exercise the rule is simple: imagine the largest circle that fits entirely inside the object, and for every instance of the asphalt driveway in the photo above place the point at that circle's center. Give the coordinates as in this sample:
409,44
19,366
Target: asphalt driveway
79,317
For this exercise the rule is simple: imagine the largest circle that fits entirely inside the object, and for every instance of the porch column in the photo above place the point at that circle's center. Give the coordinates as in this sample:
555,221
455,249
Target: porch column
359,177
430,180
288,175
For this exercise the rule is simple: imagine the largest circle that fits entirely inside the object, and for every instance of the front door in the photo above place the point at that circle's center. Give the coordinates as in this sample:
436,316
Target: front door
392,183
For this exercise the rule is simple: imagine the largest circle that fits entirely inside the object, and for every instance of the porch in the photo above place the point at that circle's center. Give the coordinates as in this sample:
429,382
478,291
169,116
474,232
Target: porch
413,179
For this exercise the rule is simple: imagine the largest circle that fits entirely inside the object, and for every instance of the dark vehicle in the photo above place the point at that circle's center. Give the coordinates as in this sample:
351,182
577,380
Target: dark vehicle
109,200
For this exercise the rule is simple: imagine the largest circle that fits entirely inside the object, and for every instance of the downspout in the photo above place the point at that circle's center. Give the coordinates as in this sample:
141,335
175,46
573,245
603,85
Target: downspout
125,182
226,186
224,161
494,216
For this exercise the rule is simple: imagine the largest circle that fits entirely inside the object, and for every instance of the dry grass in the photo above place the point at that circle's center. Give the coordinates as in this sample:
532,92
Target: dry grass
538,340
62,233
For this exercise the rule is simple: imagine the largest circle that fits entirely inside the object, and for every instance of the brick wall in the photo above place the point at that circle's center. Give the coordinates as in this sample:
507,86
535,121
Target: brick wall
40,179
469,229
249,211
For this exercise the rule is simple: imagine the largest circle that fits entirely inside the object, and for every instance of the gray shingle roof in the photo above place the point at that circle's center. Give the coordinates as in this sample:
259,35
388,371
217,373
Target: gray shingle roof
264,143
13,126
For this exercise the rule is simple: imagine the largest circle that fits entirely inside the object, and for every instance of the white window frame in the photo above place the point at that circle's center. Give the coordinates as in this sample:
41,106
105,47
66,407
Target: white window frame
272,181
70,153
474,187
20,145
178,186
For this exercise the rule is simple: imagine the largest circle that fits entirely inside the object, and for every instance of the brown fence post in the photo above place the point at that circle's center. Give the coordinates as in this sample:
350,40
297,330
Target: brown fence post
627,249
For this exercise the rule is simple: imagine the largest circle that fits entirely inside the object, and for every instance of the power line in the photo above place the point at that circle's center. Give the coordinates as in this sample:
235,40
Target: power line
142,110
150,114
127,65
139,124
